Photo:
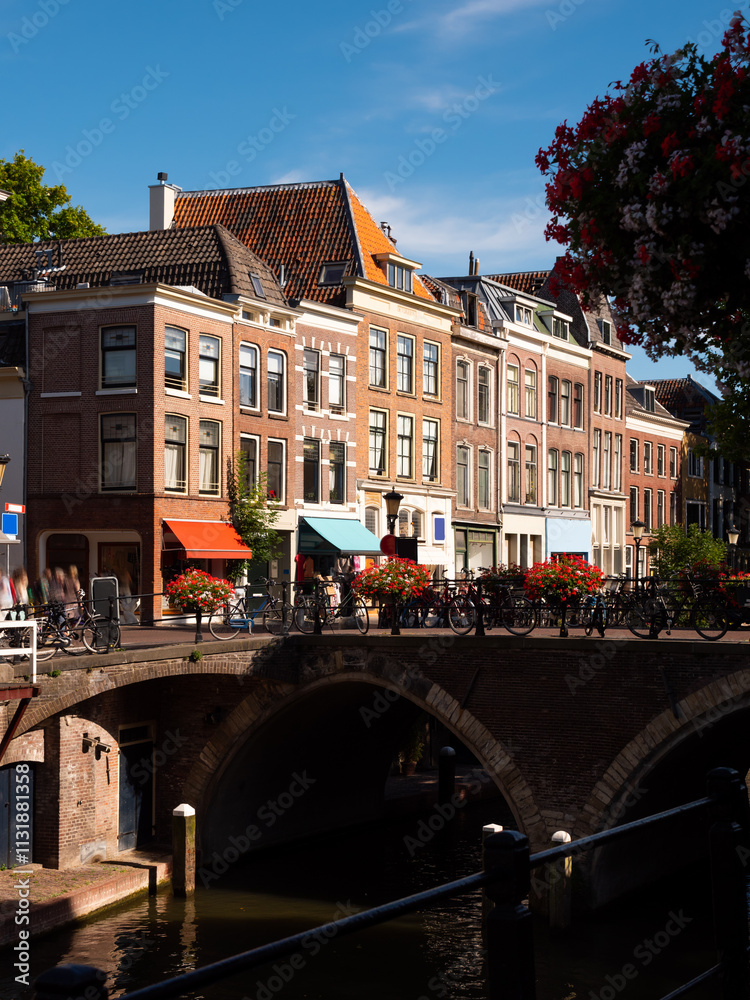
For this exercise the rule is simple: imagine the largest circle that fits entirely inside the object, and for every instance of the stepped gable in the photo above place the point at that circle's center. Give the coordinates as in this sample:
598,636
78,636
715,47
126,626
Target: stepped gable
208,258
299,226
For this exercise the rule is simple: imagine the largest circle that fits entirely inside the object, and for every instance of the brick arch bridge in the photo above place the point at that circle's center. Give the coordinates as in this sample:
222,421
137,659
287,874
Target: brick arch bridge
273,739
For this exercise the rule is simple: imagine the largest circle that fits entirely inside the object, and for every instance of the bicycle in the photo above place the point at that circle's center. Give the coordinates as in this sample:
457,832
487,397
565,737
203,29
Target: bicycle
56,631
515,613
233,617
663,610
319,606
594,613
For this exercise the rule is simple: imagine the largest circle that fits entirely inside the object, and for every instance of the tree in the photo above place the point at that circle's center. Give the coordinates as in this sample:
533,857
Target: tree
647,195
674,548
250,514
36,211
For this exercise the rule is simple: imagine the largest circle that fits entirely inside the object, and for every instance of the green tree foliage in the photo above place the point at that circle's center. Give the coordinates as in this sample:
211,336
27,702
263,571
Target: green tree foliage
674,548
250,514
38,211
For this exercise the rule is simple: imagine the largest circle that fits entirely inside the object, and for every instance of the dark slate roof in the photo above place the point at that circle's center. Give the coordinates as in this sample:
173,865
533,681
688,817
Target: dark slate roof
633,403
300,226
206,257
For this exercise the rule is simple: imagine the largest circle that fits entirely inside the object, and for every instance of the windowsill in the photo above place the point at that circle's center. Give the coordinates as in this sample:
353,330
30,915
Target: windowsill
277,416
57,395
205,493
431,397
338,416
404,392
173,491
212,399
378,388
250,409
179,393
117,489
116,392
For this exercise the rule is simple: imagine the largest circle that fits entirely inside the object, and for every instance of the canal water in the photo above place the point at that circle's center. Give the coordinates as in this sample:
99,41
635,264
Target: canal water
639,949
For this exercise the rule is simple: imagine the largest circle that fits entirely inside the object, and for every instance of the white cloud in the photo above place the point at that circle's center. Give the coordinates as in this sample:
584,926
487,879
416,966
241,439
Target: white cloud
469,15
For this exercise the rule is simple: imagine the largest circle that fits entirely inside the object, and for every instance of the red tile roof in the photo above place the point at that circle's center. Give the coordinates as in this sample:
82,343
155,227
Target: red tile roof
523,281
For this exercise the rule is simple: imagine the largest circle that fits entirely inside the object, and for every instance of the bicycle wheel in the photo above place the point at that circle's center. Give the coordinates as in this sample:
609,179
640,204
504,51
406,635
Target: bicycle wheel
520,616
360,614
226,621
46,640
435,614
462,615
100,635
709,618
646,619
278,617
412,615
304,614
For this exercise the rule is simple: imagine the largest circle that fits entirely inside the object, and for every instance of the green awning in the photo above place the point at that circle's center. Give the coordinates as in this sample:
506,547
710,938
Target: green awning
337,534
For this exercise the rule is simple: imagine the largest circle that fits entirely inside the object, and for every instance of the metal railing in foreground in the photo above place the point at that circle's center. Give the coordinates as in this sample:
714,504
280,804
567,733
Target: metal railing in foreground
508,925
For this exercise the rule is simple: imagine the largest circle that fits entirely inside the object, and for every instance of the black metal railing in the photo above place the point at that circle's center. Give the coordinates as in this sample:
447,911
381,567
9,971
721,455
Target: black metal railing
508,925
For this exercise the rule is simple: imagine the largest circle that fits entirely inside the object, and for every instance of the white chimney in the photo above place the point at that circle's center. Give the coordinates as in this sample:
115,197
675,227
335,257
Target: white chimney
161,203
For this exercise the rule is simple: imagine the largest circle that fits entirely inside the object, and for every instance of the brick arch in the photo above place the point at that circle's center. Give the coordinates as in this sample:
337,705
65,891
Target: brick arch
262,706
656,741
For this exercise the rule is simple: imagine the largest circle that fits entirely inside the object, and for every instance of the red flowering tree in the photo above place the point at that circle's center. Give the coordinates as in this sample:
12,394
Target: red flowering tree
401,579
564,578
648,194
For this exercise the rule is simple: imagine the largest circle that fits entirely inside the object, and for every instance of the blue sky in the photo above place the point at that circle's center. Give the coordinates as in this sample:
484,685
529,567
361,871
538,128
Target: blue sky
433,111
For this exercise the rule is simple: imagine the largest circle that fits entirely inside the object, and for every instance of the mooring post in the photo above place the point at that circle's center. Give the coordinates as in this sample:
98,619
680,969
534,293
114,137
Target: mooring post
487,903
446,774
183,851
508,927
729,850
560,872
71,982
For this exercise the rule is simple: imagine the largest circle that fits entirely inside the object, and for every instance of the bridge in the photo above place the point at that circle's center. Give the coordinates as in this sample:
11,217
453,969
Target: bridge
273,739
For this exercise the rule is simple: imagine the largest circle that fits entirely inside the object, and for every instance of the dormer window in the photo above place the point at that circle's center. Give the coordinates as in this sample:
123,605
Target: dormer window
560,328
257,286
648,399
332,273
469,301
605,328
523,315
399,277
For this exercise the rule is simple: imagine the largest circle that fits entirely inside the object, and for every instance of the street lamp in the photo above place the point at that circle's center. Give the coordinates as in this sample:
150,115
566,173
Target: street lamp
4,459
392,503
637,527
733,534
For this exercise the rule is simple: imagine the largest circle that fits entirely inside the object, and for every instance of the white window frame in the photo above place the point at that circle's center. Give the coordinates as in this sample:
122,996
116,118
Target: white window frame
408,418
182,485
272,352
513,388
436,477
213,390
481,454
430,362
246,345
309,355
483,370
333,379
529,393
212,492
405,338
282,442
384,413
465,366
381,353
459,501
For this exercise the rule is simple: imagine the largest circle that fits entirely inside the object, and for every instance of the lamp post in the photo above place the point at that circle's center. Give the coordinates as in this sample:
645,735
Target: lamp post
733,534
392,503
637,527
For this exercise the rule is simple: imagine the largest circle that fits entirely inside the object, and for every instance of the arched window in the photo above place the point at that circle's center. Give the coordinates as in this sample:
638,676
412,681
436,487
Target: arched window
372,520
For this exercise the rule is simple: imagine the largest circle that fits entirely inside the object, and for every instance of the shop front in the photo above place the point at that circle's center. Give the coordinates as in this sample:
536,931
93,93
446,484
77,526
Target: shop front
326,545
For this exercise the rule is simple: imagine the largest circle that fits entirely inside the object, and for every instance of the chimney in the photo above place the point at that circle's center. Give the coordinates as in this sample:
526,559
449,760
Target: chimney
476,265
161,203
471,261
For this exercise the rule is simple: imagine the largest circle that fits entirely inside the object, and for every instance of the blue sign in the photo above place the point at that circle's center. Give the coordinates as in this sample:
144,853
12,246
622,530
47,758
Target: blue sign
9,524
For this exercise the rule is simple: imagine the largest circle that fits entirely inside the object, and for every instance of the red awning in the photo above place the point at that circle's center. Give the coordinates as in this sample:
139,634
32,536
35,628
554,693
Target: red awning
204,540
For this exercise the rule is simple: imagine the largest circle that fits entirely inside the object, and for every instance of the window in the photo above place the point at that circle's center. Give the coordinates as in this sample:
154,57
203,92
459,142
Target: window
405,363
430,369
661,456
311,379
617,464
118,357
337,472
552,477
597,392
248,376
311,470
276,382
530,393
647,508
332,273
483,480
462,390
649,401
633,504
606,460
608,395
175,351
377,442
404,435
523,315
249,449
530,473
372,520
565,403
430,450
275,474
605,328
695,513
399,277
673,518
565,479
257,286
695,464
118,451
648,467
337,383
208,365
513,389
552,399
595,457
661,502
462,476
378,352
483,395
673,463
578,405
514,472
560,328
578,480
633,455
618,398
208,457
175,439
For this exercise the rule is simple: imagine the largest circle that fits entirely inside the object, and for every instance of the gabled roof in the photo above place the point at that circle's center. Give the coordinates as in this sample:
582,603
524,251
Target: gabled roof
522,281
633,404
208,258
301,227
685,398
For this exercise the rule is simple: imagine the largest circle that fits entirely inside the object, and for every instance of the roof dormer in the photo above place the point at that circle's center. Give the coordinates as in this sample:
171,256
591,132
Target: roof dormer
397,269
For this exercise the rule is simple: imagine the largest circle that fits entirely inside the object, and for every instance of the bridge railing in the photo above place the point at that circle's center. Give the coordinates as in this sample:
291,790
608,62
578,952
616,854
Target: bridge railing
508,926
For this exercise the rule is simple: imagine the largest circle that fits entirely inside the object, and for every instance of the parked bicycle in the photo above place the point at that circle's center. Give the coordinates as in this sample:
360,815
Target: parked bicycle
322,606
662,609
276,614
56,630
